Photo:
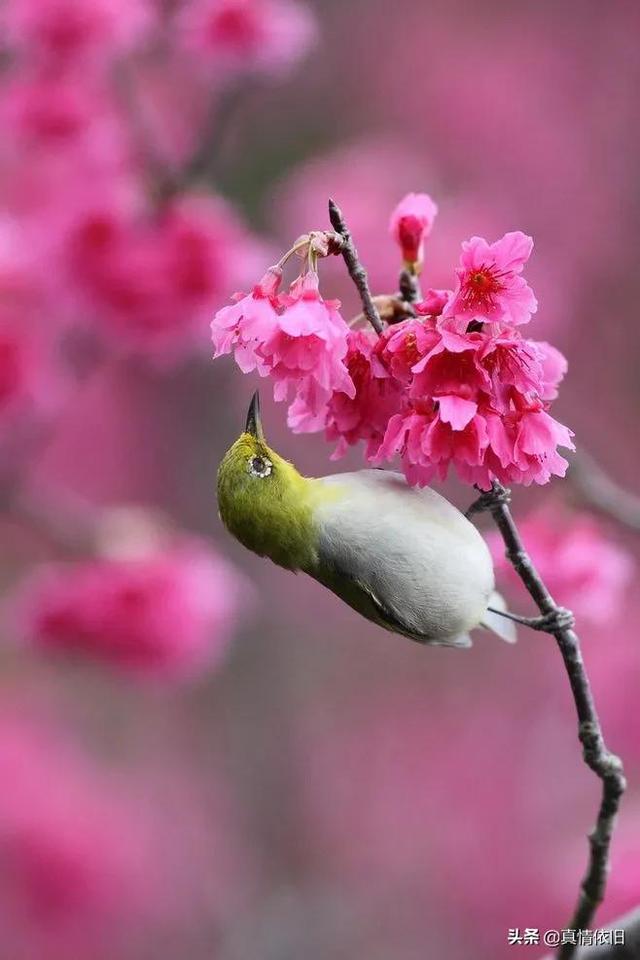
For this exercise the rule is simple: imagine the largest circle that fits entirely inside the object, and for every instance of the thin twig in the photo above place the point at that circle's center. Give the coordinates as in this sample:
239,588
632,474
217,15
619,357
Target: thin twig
356,271
165,179
606,766
201,165
597,490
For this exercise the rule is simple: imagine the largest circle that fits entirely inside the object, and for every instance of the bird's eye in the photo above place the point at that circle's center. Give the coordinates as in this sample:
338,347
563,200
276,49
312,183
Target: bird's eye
259,467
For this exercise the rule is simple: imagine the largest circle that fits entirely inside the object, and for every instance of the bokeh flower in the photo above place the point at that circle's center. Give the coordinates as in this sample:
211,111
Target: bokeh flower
76,867
152,284
166,613
583,566
64,30
248,35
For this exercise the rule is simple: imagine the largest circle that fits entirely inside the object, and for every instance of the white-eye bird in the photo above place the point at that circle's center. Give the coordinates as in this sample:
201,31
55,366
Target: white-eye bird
403,557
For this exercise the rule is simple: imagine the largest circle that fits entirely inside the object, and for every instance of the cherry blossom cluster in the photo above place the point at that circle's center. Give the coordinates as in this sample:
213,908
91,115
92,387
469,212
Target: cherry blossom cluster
151,601
114,241
104,230
454,384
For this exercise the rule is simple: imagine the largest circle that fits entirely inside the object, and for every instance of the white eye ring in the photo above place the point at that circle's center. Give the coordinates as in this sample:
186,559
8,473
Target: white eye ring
259,467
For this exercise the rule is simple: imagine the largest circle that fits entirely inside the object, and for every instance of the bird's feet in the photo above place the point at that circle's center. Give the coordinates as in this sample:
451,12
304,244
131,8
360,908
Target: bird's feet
489,499
553,622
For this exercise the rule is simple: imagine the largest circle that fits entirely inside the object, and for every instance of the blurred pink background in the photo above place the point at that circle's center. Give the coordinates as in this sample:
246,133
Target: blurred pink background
202,757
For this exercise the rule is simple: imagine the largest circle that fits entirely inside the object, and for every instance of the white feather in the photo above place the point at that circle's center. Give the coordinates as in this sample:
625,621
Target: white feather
409,549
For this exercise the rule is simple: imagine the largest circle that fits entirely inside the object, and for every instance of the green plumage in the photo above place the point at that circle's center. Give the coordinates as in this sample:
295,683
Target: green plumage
273,516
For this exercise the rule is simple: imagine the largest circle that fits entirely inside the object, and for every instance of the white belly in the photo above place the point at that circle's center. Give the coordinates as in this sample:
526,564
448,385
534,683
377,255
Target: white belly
410,548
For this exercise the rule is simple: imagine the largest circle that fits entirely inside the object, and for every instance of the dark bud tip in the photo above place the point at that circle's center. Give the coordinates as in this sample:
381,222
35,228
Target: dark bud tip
335,216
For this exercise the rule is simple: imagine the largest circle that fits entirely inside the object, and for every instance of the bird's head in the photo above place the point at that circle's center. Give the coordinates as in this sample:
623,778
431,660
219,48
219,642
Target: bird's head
263,500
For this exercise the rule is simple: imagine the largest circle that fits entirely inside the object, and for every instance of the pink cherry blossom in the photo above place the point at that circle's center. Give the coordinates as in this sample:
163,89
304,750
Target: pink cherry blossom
347,419
297,338
583,566
236,326
411,223
248,35
537,437
490,286
453,391
19,367
452,366
310,340
432,439
553,368
433,302
166,613
401,347
517,365
513,364
476,401
524,444
66,30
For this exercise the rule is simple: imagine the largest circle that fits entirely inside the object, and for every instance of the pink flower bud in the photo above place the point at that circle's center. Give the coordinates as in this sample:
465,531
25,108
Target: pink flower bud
411,222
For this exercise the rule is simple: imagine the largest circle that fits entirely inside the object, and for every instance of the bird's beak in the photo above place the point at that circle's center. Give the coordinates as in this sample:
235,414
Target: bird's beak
254,421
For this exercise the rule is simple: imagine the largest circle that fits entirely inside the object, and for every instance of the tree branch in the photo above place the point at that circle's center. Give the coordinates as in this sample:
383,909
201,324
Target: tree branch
356,270
597,490
606,766
629,950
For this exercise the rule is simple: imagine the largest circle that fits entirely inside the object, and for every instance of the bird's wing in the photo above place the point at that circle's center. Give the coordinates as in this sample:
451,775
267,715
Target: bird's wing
414,558
361,597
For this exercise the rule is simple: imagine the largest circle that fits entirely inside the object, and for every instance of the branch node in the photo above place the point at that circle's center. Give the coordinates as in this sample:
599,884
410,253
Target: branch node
489,500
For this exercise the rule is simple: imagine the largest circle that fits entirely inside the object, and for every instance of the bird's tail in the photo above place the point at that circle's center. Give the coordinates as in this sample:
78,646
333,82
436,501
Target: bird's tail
495,618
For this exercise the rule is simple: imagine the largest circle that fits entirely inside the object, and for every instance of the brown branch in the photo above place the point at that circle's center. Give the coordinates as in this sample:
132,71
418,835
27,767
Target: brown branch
606,766
356,270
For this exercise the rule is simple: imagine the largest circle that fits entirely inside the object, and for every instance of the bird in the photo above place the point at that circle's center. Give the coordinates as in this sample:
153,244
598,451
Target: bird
403,557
